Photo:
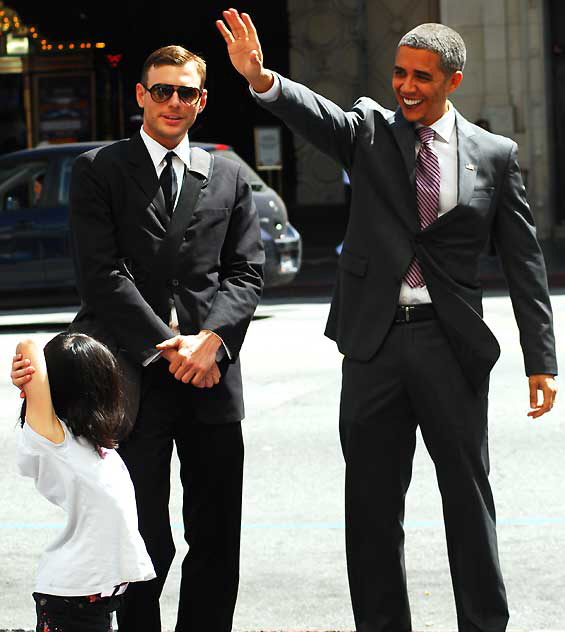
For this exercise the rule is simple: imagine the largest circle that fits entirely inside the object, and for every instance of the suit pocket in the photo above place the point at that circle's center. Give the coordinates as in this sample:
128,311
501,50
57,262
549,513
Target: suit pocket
355,264
483,193
210,212
205,237
213,221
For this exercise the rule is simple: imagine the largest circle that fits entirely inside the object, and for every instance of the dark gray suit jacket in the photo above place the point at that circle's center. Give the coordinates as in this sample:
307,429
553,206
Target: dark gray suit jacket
214,273
377,147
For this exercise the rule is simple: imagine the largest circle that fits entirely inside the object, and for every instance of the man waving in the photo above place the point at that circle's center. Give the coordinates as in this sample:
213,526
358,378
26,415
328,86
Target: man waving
429,190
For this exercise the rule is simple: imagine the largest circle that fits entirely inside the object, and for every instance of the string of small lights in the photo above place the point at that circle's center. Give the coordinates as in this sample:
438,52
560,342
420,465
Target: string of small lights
11,24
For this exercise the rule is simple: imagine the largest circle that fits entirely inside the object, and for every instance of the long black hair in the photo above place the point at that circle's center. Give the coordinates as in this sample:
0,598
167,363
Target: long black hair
86,389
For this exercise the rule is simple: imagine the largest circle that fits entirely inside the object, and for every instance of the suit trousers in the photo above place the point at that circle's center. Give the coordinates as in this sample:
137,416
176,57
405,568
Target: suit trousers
211,471
414,379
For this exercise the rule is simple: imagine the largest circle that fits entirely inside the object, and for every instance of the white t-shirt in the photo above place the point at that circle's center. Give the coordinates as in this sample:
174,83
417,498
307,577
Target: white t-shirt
100,546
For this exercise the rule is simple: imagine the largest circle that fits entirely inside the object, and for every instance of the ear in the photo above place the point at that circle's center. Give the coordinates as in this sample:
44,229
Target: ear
139,94
203,101
455,80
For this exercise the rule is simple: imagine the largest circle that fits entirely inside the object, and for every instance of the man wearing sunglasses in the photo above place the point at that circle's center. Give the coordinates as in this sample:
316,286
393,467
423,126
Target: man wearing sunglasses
169,261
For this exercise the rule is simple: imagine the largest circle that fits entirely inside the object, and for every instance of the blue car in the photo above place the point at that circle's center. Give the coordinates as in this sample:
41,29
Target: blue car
34,230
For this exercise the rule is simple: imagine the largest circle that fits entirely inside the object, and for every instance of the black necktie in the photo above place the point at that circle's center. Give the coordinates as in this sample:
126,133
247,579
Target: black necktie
168,182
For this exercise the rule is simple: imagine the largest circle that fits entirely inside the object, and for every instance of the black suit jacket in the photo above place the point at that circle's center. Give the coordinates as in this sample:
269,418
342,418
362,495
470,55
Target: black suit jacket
377,147
119,223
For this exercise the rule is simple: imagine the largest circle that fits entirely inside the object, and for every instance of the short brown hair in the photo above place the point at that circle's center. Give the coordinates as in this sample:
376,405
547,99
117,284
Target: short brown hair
173,56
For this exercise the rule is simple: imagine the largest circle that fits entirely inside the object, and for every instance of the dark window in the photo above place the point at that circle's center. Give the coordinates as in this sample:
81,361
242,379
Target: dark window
22,185
65,181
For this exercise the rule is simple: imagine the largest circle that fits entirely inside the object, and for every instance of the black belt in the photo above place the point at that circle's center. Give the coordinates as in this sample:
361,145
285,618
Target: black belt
414,313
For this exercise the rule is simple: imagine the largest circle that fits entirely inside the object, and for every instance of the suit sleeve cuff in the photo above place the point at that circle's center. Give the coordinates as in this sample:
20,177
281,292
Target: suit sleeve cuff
223,350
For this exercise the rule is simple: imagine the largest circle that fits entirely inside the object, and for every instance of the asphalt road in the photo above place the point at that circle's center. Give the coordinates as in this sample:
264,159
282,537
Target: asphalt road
293,565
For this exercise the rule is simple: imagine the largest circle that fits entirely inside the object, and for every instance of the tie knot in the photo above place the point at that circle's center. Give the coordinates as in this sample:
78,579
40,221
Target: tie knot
169,158
426,135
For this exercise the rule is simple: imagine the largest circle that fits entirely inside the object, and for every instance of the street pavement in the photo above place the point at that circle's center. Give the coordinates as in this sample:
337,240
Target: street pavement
293,573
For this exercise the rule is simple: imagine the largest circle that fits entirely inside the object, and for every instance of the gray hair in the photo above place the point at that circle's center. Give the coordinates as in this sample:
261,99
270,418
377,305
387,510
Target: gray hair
440,39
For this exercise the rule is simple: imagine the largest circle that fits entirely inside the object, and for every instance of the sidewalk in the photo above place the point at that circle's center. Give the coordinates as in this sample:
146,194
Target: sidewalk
293,630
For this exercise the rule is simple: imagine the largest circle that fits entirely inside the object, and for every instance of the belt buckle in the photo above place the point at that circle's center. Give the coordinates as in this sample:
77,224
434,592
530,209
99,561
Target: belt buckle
407,310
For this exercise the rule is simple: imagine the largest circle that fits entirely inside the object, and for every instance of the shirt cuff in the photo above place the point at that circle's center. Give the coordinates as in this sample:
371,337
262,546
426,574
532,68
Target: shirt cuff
272,94
152,358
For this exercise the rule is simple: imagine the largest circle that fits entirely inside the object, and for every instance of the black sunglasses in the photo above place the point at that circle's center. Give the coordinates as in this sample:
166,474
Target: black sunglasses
161,92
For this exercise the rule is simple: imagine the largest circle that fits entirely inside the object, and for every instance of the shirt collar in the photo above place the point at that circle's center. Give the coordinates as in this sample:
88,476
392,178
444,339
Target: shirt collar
157,152
445,125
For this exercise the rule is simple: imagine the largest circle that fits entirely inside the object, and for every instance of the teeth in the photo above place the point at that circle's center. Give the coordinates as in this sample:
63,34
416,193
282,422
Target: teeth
412,101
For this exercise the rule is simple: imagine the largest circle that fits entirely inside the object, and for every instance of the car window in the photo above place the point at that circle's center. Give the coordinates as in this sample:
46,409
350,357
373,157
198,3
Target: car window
257,184
21,185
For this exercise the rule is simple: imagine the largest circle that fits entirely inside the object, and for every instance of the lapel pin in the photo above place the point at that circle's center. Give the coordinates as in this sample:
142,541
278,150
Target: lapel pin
470,166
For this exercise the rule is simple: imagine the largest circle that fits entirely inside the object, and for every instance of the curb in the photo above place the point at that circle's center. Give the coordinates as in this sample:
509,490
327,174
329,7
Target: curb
295,630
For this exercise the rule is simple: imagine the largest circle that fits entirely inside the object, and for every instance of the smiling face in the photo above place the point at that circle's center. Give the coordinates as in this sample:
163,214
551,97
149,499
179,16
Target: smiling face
168,122
420,86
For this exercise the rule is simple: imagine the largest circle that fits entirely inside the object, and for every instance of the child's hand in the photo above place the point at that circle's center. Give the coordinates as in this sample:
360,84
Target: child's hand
22,372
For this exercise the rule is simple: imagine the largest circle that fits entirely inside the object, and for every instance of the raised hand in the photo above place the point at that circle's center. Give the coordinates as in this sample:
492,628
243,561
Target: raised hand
244,49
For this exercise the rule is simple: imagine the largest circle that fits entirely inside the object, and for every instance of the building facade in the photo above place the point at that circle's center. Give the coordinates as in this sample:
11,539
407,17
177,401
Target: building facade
345,48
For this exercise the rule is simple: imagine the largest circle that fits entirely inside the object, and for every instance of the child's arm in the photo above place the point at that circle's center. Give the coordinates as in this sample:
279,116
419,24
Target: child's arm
40,414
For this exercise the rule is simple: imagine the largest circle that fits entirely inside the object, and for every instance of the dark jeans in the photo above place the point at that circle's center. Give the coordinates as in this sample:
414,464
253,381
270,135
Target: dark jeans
74,614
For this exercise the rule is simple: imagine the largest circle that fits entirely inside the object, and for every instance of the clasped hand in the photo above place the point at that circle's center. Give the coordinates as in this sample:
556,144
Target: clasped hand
192,359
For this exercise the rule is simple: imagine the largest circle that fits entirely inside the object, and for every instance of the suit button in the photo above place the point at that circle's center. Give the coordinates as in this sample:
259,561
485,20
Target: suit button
175,282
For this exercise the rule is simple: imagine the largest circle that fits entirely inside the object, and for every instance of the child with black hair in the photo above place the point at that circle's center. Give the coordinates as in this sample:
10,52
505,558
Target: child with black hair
72,417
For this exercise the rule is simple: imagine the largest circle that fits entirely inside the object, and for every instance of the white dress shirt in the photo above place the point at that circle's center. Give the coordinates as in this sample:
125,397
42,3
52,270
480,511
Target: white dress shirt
157,154
445,146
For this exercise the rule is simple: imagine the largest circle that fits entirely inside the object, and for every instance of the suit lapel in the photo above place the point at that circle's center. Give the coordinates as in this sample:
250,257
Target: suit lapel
193,182
143,172
403,132
468,157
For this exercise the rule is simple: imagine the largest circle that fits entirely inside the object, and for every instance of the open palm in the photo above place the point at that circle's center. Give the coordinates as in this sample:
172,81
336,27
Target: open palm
242,42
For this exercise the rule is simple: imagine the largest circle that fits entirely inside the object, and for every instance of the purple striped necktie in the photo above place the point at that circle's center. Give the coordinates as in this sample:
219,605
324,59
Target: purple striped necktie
428,178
